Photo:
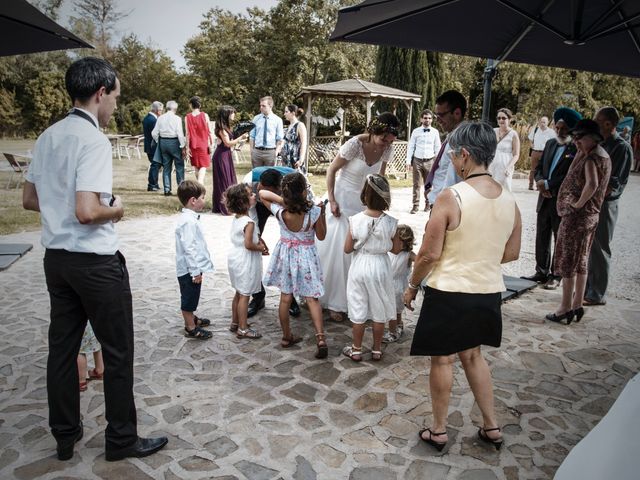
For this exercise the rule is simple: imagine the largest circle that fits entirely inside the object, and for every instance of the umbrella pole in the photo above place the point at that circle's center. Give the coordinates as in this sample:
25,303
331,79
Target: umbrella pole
489,72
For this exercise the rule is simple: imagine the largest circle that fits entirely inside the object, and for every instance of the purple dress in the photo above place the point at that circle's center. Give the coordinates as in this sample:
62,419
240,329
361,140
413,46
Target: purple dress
224,175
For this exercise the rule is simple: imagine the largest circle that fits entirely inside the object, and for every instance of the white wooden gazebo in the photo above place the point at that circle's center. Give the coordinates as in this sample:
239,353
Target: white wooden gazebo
354,88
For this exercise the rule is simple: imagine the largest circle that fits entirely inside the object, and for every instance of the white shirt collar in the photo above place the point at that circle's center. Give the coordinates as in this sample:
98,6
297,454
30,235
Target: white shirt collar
191,212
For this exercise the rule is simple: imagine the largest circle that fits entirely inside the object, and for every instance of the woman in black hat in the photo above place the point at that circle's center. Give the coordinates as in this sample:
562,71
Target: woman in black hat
579,200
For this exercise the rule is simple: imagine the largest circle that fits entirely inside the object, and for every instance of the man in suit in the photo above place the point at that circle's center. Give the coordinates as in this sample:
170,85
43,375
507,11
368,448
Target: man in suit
148,123
621,159
554,164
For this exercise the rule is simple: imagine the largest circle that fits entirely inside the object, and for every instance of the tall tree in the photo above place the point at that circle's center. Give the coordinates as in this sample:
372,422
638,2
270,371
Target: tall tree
411,70
104,15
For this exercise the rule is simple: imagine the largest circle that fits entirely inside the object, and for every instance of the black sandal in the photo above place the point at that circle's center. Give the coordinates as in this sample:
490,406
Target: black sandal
198,333
482,434
323,350
437,445
201,322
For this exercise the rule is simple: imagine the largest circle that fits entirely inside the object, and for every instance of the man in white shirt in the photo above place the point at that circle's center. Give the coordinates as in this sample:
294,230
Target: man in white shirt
171,142
451,108
538,136
267,138
70,183
423,147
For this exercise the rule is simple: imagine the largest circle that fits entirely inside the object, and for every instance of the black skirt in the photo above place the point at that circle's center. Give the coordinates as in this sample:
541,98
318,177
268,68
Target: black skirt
451,322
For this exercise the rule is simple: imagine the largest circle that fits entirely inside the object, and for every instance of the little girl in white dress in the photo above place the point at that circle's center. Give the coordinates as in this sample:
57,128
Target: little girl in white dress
244,259
371,235
295,265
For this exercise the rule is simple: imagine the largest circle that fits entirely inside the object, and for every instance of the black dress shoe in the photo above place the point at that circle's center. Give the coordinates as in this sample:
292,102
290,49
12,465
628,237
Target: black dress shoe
143,447
153,189
66,452
537,277
294,310
167,194
254,306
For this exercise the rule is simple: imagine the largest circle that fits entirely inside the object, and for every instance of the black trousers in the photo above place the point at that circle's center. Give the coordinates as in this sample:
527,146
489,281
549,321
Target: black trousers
88,286
547,224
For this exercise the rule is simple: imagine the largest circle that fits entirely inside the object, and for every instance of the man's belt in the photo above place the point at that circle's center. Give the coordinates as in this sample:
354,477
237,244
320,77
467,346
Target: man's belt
169,138
423,159
265,148
534,150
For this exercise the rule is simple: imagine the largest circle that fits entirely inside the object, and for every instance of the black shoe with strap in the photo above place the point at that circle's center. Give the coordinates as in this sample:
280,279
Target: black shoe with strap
142,447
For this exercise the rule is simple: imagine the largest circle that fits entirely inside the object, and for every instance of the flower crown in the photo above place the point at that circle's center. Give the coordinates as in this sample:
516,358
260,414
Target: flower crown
385,127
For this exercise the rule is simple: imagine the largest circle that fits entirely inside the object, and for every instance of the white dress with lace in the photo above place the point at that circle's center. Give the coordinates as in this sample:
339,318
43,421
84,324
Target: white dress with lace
348,185
499,167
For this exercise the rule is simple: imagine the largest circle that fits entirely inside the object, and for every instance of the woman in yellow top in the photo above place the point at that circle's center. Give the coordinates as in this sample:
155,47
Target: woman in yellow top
474,227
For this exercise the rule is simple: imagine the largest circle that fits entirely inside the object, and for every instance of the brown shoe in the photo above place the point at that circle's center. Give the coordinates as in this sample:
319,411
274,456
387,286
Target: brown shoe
414,210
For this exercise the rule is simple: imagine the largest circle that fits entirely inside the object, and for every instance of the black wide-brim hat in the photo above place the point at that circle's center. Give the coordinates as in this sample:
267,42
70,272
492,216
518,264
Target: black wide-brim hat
589,127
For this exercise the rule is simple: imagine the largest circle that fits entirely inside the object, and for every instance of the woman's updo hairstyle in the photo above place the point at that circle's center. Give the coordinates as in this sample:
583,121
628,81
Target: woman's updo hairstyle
195,102
294,194
384,123
293,108
477,138
506,111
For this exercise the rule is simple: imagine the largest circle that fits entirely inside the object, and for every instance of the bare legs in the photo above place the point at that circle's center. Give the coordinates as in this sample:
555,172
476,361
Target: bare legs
239,307
568,284
581,285
201,174
441,380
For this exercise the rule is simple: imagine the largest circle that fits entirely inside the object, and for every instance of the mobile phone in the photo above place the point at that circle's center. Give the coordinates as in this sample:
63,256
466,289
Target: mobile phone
113,199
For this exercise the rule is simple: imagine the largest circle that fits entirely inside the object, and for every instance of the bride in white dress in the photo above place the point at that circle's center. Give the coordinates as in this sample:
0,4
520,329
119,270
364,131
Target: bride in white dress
508,151
363,154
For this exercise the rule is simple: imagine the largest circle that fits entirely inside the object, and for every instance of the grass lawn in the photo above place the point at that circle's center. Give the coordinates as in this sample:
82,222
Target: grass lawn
130,182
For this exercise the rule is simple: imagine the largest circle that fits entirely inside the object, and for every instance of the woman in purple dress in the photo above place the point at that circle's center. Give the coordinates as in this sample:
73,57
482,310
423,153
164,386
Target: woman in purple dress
224,173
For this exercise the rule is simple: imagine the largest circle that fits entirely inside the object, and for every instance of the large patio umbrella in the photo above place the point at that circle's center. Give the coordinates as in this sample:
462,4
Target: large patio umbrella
24,29
593,35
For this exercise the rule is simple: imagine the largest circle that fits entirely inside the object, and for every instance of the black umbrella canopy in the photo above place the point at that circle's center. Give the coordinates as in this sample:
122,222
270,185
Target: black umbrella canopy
24,29
593,35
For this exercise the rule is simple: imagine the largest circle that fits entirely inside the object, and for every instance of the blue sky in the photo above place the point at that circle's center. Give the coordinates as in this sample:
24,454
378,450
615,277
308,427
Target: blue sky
168,24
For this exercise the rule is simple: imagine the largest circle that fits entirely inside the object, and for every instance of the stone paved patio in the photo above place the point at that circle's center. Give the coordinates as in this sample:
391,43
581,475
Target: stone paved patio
240,409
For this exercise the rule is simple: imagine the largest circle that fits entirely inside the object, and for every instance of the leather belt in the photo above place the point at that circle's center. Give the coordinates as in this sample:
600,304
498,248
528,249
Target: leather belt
423,159
265,148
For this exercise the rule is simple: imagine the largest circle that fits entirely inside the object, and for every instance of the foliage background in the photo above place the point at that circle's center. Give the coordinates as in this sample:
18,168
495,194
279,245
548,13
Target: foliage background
237,58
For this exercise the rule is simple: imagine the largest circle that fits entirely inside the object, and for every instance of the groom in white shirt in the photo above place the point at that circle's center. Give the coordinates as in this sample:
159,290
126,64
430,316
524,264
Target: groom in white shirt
422,149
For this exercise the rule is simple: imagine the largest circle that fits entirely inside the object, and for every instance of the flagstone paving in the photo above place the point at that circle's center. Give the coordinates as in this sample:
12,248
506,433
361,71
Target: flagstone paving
241,409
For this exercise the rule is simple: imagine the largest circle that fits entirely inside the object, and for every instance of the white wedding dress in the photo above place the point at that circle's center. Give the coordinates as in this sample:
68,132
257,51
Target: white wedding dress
499,167
348,185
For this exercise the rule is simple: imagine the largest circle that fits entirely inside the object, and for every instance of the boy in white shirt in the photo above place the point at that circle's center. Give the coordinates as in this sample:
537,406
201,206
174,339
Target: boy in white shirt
192,258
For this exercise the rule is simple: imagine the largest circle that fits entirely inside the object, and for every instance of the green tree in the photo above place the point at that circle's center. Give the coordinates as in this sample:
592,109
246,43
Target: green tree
46,99
104,15
10,115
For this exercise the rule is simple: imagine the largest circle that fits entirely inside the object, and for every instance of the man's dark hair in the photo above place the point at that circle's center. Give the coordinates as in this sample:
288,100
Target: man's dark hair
86,76
190,189
426,111
454,99
271,178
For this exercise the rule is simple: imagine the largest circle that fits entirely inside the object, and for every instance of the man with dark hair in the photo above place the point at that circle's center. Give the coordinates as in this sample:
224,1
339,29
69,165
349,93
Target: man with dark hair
423,146
266,178
556,158
451,108
86,275
621,157
148,124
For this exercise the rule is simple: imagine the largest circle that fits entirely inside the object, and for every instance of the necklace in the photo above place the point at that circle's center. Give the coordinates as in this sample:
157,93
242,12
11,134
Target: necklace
477,175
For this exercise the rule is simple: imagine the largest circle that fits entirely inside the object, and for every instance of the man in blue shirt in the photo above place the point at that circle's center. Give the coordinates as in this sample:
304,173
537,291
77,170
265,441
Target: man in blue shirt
266,139
148,124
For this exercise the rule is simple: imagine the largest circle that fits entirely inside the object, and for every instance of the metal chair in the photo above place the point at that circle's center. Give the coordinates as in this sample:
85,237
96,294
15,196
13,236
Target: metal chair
133,145
17,167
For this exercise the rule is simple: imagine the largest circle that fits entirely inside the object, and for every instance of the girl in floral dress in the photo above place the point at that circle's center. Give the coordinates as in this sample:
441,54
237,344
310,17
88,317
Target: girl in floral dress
295,264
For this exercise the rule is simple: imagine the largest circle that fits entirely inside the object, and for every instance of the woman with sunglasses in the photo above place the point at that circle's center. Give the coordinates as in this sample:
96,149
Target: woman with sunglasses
508,150
579,201
358,157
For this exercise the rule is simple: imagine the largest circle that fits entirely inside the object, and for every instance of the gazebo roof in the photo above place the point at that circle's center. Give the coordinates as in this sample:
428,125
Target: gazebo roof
354,87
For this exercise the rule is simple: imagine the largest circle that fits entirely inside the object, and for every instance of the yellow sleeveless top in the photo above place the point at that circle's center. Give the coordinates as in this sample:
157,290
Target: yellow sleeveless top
471,254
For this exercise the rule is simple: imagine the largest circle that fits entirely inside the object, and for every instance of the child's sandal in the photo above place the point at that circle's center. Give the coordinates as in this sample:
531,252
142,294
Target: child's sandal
83,386
289,342
353,352
248,333
376,355
234,327
201,322
197,333
323,350
94,375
